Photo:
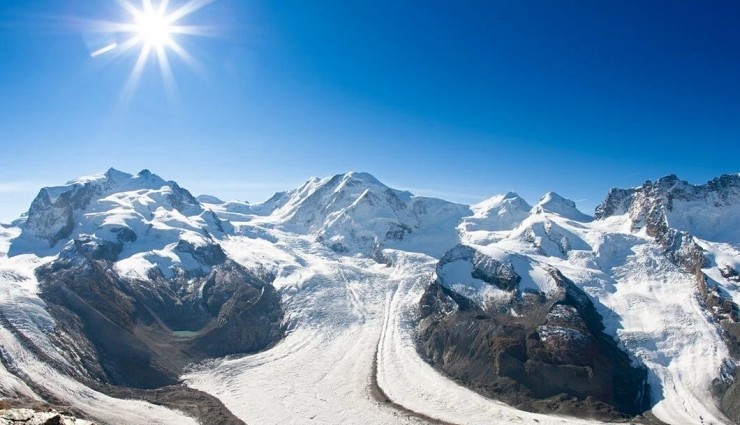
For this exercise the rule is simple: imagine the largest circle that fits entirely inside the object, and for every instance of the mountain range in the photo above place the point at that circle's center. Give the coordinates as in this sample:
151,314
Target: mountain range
126,299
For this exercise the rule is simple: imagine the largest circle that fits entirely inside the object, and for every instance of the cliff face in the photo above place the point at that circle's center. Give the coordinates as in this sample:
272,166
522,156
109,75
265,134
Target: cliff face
141,333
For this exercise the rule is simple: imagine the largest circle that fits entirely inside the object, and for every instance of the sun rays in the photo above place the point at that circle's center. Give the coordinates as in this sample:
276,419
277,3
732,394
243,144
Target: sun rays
154,28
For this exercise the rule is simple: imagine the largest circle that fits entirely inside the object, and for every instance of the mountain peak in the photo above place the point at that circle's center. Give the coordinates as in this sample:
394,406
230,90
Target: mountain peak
362,176
355,212
348,181
551,202
508,200
725,188
112,172
113,178
500,212
551,197
671,178
53,213
709,211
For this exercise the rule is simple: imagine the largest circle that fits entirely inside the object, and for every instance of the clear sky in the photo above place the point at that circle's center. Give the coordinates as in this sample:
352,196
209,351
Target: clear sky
460,100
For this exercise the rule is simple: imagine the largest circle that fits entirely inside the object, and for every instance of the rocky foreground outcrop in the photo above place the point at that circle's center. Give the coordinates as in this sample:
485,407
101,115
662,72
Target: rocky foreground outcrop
25,416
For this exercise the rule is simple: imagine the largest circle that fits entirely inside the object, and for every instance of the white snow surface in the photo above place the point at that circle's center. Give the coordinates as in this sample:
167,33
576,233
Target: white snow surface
554,203
718,224
502,212
349,314
494,217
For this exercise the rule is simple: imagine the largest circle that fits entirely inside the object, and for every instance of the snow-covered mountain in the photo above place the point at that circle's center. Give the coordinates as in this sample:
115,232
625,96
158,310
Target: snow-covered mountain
494,217
709,211
120,279
516,329
356,213
140,221
660,265
115,283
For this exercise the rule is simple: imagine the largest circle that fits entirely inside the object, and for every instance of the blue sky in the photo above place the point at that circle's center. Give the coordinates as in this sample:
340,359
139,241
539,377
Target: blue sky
460,100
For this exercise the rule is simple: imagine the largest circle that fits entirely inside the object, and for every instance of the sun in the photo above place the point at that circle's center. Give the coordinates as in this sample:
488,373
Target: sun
155,29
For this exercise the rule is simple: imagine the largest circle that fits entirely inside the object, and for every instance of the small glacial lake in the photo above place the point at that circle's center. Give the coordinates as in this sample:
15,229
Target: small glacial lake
184,334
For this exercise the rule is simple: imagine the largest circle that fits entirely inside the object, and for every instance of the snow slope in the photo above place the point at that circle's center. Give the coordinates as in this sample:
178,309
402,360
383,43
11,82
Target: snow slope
494,217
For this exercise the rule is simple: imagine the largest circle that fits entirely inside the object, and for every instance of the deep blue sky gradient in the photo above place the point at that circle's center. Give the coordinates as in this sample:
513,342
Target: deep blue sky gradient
460,100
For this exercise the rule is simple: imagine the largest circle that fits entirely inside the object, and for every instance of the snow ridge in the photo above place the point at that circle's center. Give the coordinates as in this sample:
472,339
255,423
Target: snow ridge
356,213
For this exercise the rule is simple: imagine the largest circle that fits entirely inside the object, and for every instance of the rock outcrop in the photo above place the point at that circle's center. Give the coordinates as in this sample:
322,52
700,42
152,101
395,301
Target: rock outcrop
142,332
539,350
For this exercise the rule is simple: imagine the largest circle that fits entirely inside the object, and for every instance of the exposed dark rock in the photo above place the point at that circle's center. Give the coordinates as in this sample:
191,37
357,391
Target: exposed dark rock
206,408
730,274
551,356
101,249
50,220
54,420
124,234
220,226
397,231
730,400
181,199
126,330
499,274
97,249
209,254
639,201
